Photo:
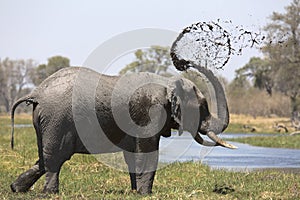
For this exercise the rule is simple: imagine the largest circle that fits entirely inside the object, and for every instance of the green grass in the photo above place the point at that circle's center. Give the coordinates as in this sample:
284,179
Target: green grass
263,125
285,141
83,177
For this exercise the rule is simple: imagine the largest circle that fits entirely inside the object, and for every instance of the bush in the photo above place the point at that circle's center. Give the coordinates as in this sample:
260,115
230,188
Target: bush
256,102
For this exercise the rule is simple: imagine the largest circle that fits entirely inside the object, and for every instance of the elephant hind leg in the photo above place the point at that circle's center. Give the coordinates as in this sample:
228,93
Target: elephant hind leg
52,182
52,178
53,164
27,179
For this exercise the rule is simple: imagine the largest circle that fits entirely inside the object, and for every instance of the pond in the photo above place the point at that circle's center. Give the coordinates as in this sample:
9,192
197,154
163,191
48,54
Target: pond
245,158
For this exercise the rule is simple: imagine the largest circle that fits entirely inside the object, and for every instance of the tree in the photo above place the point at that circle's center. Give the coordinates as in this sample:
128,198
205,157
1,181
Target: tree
279,69
14,76
283,51
260,71
55,63
155,59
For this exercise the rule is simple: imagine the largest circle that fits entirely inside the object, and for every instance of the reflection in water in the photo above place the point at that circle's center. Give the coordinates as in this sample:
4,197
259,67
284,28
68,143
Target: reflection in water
246,157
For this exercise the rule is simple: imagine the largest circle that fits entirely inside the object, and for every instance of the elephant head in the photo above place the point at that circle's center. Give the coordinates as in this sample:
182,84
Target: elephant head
208,124
190,110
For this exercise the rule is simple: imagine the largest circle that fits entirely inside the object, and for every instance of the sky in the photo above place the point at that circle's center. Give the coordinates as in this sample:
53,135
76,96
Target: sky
39,29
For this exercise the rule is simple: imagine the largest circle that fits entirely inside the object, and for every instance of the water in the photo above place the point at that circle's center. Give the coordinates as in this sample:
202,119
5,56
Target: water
23,125
246,157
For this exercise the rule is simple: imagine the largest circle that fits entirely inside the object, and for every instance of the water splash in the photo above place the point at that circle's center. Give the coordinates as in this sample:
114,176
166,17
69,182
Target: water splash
212,44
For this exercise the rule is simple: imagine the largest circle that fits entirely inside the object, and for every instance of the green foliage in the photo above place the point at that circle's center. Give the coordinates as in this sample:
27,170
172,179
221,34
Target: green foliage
196,78
155,59
259,70
55,63
286,141
284,53
40,75
201,83
279,69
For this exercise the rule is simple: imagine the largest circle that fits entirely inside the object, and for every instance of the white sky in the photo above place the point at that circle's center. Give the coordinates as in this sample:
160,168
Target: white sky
40,29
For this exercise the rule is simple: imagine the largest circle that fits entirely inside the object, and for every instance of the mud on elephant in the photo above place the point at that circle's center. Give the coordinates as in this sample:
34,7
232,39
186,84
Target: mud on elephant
77,110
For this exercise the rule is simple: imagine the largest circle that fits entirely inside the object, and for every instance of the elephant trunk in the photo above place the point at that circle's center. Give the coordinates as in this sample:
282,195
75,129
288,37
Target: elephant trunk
215,125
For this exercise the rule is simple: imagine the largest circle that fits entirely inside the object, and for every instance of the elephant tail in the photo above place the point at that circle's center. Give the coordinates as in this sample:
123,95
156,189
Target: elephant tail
29,100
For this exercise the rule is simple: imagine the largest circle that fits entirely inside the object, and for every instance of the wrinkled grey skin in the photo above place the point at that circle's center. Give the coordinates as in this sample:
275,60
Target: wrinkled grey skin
58,139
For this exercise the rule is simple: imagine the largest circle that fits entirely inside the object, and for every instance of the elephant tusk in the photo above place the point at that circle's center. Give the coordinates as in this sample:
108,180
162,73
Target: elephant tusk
219,141
203,142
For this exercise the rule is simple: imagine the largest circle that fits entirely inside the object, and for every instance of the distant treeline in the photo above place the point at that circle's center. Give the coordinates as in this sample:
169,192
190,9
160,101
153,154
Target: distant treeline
19,77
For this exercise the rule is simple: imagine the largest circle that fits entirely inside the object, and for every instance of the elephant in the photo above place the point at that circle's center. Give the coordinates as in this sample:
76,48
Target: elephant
64,118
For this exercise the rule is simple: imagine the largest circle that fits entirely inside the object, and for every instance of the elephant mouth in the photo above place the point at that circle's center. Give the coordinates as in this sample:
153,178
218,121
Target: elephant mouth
216,141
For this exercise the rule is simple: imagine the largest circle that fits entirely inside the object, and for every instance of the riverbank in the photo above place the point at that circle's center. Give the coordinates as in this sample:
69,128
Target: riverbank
281,141
249,124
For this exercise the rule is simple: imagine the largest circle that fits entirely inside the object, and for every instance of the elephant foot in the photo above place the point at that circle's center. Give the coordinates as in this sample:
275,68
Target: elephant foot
52,183
24,182
50,191
144,192
19,188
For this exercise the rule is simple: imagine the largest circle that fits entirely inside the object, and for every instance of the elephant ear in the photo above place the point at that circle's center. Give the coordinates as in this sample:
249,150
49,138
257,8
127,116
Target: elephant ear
180,94
174,97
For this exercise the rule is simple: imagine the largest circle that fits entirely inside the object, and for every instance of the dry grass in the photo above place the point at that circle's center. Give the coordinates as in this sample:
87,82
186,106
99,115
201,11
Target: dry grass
261,124
19,116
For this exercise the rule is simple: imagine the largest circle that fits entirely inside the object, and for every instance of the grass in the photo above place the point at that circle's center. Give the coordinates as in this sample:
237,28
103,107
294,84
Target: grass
83,177
261,124
285,141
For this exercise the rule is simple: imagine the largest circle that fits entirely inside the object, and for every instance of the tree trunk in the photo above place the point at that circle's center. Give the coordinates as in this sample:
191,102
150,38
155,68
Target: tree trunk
6,105
294,103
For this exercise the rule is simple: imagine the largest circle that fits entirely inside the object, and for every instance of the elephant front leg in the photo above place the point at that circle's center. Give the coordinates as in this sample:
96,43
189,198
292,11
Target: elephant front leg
27,179
142,168
146,165
130,160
